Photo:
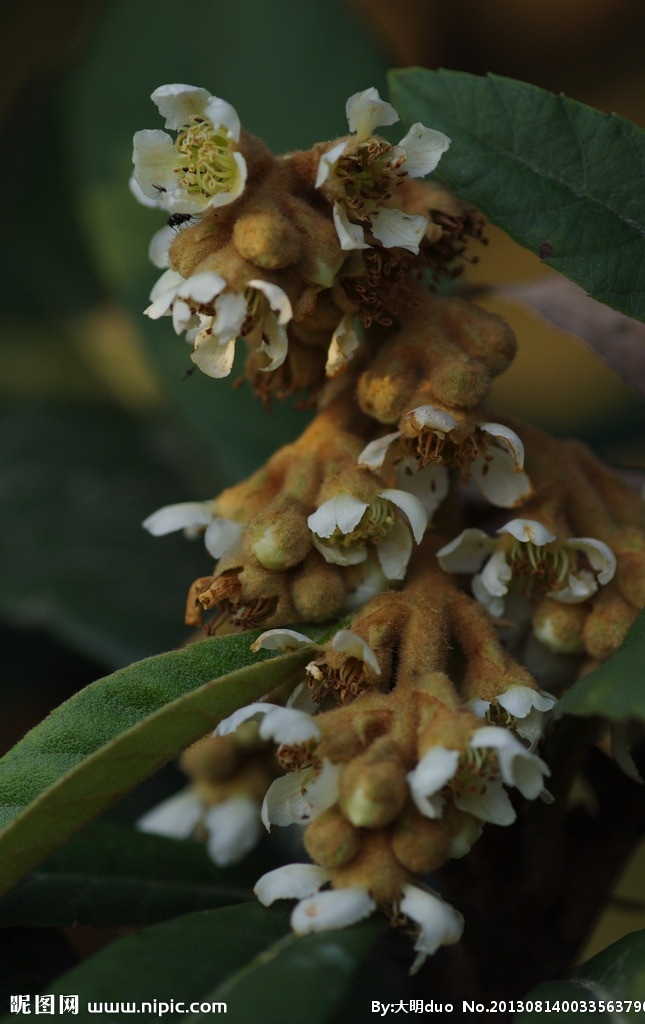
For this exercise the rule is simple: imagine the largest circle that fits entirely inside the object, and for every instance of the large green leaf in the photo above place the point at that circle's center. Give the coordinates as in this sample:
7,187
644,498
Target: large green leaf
615,689
244,956
111,876
609,984
117,731
561,178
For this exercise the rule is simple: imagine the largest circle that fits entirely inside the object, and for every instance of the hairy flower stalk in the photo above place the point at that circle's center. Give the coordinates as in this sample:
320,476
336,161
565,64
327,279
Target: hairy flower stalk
417,720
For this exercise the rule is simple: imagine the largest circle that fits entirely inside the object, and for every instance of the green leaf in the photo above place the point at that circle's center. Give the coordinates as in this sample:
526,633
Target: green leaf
615,689
111,876
616,977
244,956
307,976
558,176
100,743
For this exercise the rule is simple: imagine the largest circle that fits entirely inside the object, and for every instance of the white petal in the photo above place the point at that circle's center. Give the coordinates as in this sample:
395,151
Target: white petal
528,531
222,115
580,586
178,517
252,711
337,555
492,805
297,797
202,288
373,582
281,640
233,829
437,766
429,417
163,294
327,162
278,299
176,817
367,111
496,575
291,882
498,480
601,557
509,441
154,157
342,347
336,908
519,701
373,454
346,642
494,605
222,535
212,358
440,924
412,509
142,198
429,484
158,248
396,228
343,512
518,766
466,552
351,236
275,342
424,148
394,551
178,103
287,725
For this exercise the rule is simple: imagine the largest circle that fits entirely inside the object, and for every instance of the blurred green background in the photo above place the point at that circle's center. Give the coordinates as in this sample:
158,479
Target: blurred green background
99,425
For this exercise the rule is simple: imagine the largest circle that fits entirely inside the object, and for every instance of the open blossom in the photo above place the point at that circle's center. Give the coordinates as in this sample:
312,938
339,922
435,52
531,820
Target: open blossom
202,166
360,175
195,517
344,528
492,455
213,317
526,549
475,778
523,709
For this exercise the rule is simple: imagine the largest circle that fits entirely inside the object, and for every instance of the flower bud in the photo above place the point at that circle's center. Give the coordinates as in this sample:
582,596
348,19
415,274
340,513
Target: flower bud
420,844
331,840
267,239
607,624
560,626
373,787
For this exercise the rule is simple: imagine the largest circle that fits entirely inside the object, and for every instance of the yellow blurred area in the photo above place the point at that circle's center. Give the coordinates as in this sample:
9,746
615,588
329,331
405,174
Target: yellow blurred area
555,380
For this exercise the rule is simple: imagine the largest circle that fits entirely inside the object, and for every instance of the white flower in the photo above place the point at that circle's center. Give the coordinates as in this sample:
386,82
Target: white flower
492,454
518,766
195,517
176,817
344,527
202,167
234,827
525,708
439,923
316,911
476,777
214,317
527,549
360,174
282,725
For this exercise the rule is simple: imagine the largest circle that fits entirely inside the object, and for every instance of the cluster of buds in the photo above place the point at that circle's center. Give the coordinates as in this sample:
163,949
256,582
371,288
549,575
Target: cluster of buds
414,721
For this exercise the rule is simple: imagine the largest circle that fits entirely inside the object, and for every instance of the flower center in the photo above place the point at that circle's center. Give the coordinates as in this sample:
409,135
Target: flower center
368,175
544,567
375,524
476,769
207,165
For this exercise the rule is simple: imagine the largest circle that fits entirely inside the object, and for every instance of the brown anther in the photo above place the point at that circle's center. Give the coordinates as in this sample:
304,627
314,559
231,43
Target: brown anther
193,616
226,587
253,614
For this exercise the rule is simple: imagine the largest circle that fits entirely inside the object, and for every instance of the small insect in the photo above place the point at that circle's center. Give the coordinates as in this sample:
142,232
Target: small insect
158,188
177,219
188,373
546,250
